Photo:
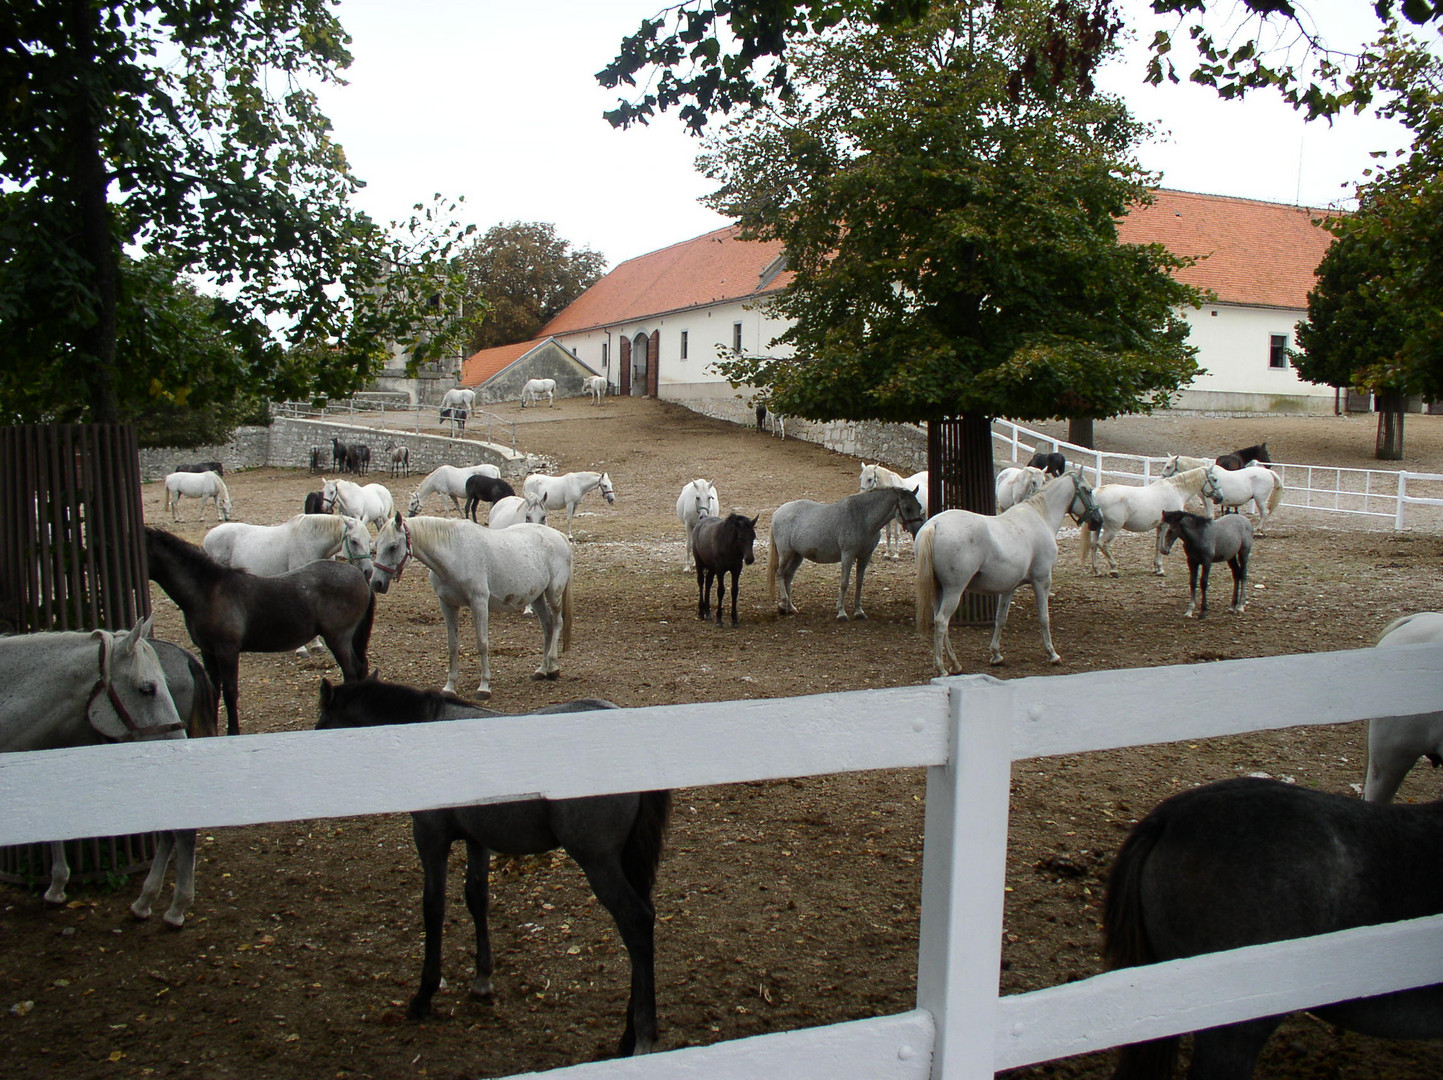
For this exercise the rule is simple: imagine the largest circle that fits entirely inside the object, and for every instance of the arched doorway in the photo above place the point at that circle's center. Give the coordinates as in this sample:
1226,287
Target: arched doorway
641,361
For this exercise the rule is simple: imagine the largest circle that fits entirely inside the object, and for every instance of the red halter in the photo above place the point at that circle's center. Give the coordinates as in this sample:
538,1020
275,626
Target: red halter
395,571
105,685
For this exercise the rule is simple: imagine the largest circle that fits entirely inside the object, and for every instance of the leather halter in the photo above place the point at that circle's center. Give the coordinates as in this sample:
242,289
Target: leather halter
395,571
105,685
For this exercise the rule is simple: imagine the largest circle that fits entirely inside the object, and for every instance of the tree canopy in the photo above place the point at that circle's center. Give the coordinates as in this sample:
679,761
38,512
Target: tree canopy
189,131
952,233
524,273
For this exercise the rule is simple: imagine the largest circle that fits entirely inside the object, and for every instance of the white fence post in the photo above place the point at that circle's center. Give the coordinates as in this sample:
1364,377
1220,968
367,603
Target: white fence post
1402,495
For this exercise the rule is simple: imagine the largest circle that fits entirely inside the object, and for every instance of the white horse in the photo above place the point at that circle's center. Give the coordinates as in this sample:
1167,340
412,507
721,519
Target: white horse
459,397
516,508
958,550
875,476
1395,743
696,501
449,480
596,387
1254,484
202,486
567,490
70,688
269,550
1017,484
485,569
372,503
532,392
1139,509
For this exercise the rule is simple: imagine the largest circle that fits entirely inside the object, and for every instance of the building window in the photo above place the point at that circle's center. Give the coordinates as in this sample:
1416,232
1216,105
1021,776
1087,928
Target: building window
1278,351
605,349
683,344
736,337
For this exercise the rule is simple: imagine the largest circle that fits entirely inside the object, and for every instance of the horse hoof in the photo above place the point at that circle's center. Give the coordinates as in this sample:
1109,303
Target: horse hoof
1054,659
995,661
859,615
482,990
174,922
482,694
841,616
1112,573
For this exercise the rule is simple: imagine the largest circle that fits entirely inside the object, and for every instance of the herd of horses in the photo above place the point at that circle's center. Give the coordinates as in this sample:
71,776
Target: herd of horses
1194,876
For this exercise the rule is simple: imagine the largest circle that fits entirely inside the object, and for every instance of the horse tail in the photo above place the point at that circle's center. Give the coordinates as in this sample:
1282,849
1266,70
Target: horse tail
204,718
1276,496
926,580
1086,542
772,559
361,639
566,617
641,854
1125,943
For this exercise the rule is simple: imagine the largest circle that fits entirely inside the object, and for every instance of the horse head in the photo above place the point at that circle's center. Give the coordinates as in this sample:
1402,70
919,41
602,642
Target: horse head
1082,495
1210,488
607,491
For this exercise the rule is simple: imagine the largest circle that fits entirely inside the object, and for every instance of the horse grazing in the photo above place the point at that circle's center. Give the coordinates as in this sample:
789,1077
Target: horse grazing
721,546
875,476
71,688
516,508
1395,743
1256,484
400,455
567,490
203,466
1206,541
1138,509
372,503
458,397
1053,464
1248,455
1017,484
596,387
269,550
845,531
482,488
485,570
534,389
1249,861
228,612
958,550
450,481
202,486
615,839
696,501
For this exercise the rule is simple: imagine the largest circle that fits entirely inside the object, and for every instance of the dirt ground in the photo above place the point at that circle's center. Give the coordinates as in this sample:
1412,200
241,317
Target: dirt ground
780,905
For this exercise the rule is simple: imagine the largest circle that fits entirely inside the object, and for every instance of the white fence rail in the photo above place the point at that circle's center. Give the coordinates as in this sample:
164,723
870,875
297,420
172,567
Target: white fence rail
396,415
1375,493
966,731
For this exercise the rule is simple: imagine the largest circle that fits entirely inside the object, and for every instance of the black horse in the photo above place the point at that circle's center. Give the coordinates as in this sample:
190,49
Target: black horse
1205,542
481,488
318,459
360,458
457,417
315,502
615,839
202,466
228,612
1053,464
720,546
1248,861
1248,455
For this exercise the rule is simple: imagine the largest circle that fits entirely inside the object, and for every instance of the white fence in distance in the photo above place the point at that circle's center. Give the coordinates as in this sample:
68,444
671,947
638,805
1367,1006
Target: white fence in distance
966,731
1372,493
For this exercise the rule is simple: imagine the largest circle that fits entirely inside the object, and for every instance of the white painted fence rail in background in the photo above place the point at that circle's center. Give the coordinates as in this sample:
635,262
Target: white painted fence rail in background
1376,493
966,731
395,416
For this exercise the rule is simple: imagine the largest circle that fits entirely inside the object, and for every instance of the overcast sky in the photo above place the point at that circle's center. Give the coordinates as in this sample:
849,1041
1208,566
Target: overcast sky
497,102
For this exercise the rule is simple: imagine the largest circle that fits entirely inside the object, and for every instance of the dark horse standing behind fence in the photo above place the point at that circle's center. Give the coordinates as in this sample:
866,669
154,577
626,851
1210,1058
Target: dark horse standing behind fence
228,612
615,839
1248,455
720,546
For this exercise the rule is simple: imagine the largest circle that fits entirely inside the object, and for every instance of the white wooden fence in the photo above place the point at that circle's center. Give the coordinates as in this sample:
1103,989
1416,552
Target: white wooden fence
966,731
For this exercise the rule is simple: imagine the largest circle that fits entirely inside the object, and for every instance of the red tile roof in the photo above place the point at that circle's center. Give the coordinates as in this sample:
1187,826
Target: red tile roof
1257,253
707,270
480,366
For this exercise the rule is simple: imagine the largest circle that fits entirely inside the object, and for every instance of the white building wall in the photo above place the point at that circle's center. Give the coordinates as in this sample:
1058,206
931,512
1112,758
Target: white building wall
1234,345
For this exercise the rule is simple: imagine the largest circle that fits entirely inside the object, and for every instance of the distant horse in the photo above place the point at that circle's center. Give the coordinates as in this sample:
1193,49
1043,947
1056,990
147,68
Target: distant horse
315,502
875,476
400,455
596,387
1014,485
697,500
721,546
318,459
228,612
458,397
372,503
1139,509
1248,455
1249,861
202,466
778,421
615,839
450,481
485,570
71,688
1395,743
568,489
534,389
1256,484
845,531
1053,464
346,456
1206,541
516,508
481,488
362,454
958,550
269,550
202,486
457,419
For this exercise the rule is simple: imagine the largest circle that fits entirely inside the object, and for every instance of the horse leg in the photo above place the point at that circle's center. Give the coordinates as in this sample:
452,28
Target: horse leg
703,592
481,616
943,654
1041,590
1192,572
847,561
1004,604
549,616
1109,534
60,872
1239,565
181,843
862,562
786,570
449,615
1207,569
736,574
635,919
478,902
1159,550
225,673
433,846
1231,1052
721,592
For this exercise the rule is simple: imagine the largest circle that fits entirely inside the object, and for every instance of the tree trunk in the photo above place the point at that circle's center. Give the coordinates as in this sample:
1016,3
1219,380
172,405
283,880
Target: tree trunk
1389,445
1079,431
960,476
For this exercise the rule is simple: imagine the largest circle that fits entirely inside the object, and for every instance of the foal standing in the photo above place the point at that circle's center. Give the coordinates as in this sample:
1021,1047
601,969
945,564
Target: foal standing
720,546
1206,541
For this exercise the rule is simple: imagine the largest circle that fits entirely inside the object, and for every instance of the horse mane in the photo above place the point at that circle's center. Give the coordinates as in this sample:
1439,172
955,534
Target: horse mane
192,556
314,524
402,704
219,483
